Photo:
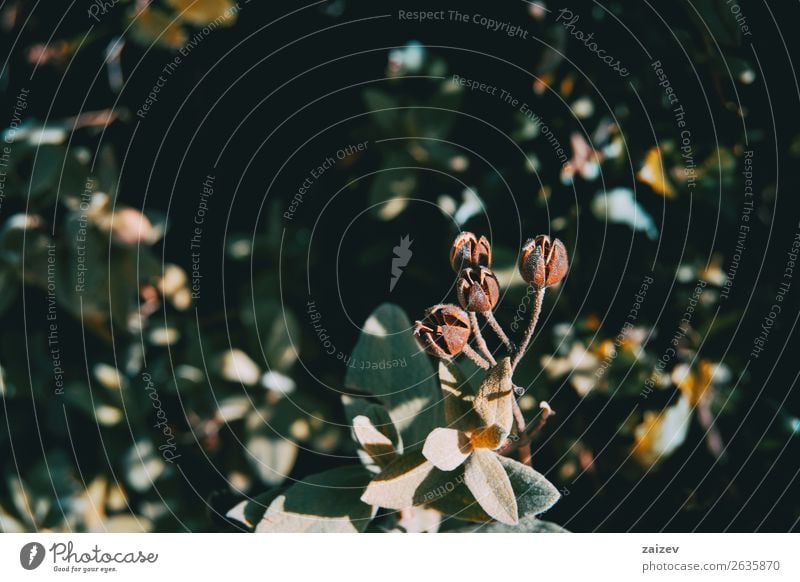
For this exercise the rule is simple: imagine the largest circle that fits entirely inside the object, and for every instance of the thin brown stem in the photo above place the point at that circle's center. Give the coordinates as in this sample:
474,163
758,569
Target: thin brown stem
476,330
495,325
546,413
526,339
524,443
475,357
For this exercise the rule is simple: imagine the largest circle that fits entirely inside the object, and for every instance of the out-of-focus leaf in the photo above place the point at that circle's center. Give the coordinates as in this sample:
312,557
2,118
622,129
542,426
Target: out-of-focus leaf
123,524
328,502
392,186
718,19
154,26
45,174
10,525
399,374
661,432
376,444
271,457
9,286
144,466
203,12
273,328
419,520
382,107
620,206
236,366
653,174
436,119
377,415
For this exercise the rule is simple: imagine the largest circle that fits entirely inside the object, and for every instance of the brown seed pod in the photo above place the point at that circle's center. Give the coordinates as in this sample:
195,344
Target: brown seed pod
470,251
444,331
543,262
477,289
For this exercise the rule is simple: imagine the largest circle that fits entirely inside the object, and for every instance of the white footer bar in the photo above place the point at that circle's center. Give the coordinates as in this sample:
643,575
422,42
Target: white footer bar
410,558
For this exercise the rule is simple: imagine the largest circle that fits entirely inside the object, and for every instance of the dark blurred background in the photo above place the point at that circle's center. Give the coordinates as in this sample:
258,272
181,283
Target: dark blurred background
259,99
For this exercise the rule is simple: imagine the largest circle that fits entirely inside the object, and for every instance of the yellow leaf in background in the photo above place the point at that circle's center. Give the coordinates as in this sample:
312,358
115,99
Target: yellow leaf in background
661,432
154,26
694,384
652,173
202,12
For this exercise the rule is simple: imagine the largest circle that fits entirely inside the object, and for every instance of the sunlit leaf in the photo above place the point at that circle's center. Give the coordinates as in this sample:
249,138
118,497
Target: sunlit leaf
620,206
530,524
446,448
400,375
328,502
534,493
375,443
489,483
203,12
652,173
396,486
662,432
494,400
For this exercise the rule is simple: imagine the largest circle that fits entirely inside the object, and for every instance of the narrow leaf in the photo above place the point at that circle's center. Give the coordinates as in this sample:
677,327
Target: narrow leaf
457,397
494,400
534,493
487,480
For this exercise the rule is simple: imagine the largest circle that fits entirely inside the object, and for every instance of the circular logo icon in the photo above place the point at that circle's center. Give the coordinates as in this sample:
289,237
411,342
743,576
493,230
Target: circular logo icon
31,555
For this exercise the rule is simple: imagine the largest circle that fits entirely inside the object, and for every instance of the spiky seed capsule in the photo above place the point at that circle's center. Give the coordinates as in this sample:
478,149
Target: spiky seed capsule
543,262
470,251
444,331
477,289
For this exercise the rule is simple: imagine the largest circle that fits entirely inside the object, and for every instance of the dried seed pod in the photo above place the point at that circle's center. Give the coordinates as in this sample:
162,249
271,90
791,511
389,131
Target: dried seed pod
470,251
444,331
477,289
543,262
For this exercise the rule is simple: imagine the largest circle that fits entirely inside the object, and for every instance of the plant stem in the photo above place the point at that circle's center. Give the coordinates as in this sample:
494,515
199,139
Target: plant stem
524,443
475,357
476,329
489,315
546,412
526,339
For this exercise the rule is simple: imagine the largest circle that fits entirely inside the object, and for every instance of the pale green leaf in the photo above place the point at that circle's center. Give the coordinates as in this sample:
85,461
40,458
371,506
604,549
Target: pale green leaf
534,493
398,373
377,445
494,400
377,415
271,456
487,480
457,396
446,448
529,524
395,487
